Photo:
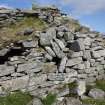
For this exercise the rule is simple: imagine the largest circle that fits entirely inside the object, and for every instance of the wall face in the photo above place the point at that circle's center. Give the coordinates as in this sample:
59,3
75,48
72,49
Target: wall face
57,57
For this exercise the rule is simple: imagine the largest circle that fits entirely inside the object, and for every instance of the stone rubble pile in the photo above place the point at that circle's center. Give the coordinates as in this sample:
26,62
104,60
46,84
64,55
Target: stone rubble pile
56,58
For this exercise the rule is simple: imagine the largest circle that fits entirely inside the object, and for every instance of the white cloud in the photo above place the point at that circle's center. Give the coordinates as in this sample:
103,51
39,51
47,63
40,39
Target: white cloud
81,7
5,6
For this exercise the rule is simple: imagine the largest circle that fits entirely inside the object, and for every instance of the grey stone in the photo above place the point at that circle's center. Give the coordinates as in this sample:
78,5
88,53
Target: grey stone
77,54
81,87
72,101
37,80
60,43
60,34
36,101
3,52
87,41
77,45
28,31
34,67
16,84
5,70
30,44
72,62
63,64
45,38
63,93
68,36
48,57
87,64
50,51
97,93
56,77
57,50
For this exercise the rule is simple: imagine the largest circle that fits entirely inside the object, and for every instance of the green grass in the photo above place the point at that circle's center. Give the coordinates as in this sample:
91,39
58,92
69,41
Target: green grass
93,102
9,34
49,99
16,98
100,84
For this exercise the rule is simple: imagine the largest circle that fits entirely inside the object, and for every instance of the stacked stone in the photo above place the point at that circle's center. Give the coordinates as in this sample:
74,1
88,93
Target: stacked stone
55,58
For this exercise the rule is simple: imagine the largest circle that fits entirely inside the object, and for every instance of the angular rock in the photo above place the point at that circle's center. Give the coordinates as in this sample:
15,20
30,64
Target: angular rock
50,51
60,43
59,53
81,87
68,36
3,52
33,67
55,77
87,41
5,70
97,93
75,61
45,38
16,84
29,44
28,31
63,64
77,45
77,54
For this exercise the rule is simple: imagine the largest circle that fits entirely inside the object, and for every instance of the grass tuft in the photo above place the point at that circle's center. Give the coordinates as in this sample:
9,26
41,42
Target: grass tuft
16,98
49,100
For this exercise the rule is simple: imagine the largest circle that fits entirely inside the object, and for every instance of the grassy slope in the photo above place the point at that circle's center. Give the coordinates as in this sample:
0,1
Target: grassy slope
8,34
16,98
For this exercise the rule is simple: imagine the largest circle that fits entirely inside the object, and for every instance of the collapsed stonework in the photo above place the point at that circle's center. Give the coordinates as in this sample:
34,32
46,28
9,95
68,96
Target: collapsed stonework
57,57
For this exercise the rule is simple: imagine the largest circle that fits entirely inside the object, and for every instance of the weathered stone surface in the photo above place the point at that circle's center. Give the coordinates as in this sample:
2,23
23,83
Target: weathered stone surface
59,53
97,94
56,77
60,43
3,52
68,36
81,87
28,31
5,70
36,101
16,84
29,44
72,62
87,41
45,38
37,80
77,54
50,51
30,67
63,64
77,45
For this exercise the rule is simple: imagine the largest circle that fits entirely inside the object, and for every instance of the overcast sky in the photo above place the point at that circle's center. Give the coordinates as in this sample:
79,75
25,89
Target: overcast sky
89,12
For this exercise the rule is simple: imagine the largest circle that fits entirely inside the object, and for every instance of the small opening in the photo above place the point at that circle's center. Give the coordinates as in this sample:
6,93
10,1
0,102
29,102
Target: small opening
11,53
56,60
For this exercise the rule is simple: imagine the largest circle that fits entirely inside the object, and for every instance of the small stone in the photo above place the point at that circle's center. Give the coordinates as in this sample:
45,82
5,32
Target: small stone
97,93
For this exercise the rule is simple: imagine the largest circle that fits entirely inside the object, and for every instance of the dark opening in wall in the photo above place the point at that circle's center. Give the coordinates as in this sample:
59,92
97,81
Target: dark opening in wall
56,60
11,53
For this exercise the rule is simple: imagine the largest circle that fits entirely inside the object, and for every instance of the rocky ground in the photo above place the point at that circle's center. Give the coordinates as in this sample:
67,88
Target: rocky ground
55,59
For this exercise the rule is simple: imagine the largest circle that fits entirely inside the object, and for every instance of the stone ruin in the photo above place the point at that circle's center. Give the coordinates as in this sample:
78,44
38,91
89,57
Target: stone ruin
57,57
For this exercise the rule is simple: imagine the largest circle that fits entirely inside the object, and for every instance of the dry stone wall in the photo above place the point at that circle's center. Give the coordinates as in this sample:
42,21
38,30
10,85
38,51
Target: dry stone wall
57,57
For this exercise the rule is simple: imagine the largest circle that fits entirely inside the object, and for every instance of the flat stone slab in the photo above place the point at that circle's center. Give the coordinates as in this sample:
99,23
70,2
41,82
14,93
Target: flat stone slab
72,62
5,70
16,84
